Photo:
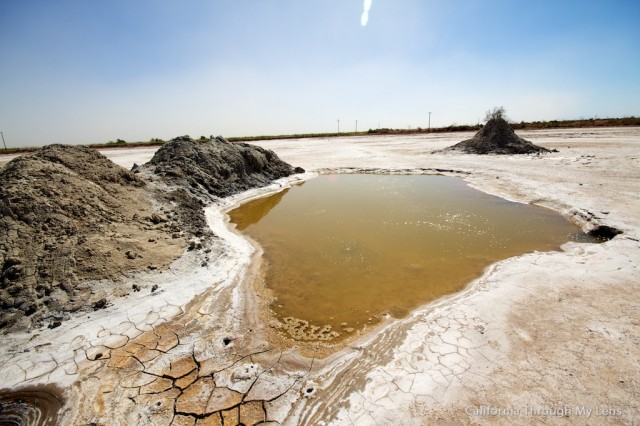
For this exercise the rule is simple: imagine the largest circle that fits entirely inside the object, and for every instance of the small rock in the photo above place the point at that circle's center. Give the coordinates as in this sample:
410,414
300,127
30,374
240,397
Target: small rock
131,254
55,324
13,273
11,261
275,324
31,308
158,218
154,288
100,304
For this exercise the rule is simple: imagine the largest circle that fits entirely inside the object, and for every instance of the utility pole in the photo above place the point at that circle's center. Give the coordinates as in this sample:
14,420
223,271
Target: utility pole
5,145
429,120
338,125
356,126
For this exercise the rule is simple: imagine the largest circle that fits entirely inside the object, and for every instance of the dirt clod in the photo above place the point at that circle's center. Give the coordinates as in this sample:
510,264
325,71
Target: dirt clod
100,304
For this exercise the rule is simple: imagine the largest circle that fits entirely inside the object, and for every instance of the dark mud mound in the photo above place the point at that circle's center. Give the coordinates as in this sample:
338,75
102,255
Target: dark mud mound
70,217
217,168
87,163
69,214
497,137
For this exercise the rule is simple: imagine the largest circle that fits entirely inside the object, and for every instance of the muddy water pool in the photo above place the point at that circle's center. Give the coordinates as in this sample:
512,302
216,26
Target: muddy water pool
341,251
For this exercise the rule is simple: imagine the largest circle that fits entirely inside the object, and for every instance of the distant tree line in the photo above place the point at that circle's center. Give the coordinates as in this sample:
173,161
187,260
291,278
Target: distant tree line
499,112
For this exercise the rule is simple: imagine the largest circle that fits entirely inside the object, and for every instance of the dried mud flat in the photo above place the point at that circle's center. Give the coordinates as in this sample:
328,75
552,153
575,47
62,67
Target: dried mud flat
542,338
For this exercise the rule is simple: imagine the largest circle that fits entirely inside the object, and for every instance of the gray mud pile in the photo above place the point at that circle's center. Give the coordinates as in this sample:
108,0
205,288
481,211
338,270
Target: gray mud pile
193,174
496,137
70,217
216,168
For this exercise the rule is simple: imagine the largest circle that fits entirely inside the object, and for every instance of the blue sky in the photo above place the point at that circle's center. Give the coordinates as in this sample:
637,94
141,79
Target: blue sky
89,71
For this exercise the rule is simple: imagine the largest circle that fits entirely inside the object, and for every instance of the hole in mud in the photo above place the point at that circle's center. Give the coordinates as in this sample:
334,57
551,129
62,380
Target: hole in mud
227,341
309,392
342,251
30,406
604,232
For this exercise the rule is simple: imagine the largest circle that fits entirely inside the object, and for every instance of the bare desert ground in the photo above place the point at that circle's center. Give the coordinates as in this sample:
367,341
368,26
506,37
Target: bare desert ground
544,338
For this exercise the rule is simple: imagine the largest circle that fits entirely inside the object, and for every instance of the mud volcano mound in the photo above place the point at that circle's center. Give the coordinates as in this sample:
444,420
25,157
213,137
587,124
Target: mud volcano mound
36,406
496,137
69,218
68,214
217,168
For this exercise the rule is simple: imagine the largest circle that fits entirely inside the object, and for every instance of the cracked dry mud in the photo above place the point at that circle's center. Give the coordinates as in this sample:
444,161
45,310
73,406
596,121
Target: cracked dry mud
540,330
168,374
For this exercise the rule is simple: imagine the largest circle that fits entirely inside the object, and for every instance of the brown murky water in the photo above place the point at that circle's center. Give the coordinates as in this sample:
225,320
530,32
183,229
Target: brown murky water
342,250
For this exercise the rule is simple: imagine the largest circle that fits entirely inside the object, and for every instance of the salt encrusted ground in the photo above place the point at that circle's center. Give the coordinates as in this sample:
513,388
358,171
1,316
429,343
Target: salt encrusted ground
541,338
